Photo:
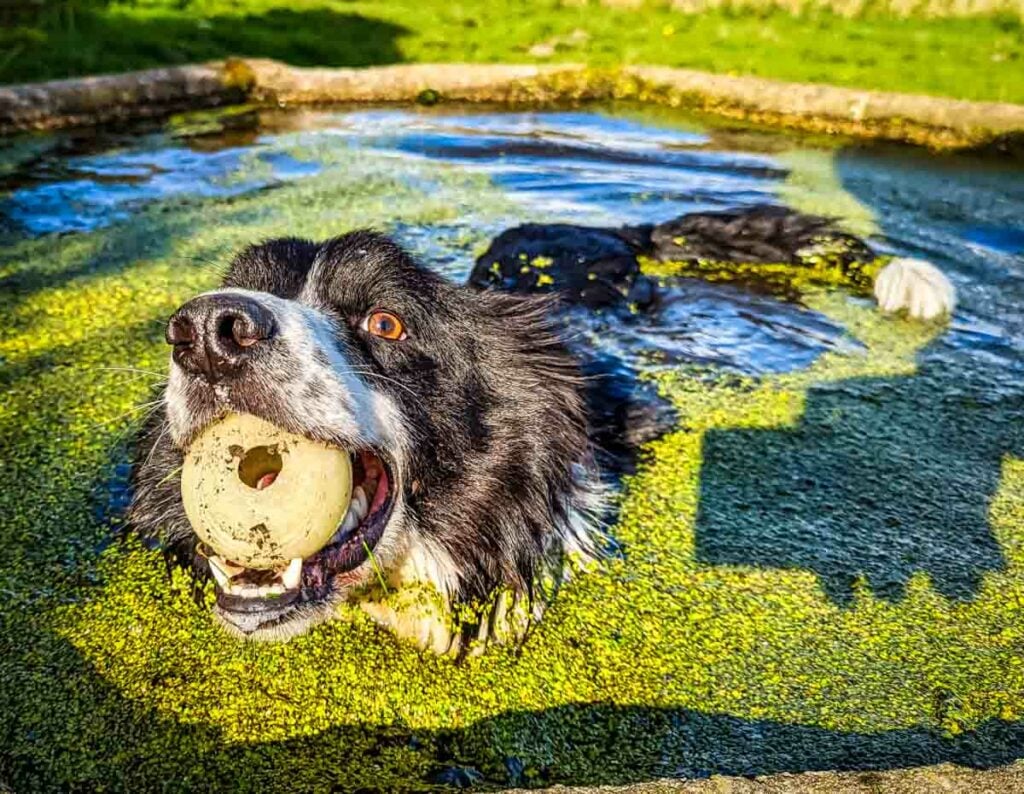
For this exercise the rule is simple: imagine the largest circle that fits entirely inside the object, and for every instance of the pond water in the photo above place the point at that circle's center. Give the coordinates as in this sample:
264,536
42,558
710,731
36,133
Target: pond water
823,567
589,168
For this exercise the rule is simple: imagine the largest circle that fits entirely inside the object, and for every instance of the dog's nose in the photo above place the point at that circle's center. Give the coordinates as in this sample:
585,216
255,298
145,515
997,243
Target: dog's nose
216,335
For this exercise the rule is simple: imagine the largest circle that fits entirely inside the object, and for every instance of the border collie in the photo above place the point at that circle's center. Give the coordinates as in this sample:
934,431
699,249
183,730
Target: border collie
479,428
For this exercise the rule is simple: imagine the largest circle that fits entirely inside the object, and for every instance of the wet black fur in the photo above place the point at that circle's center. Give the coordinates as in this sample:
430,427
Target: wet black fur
497,405
598,267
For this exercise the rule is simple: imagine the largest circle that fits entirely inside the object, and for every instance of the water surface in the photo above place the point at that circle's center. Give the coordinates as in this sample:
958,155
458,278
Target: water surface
583,167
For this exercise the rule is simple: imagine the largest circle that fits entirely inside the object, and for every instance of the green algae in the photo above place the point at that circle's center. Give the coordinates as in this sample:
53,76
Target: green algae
654,662
819,269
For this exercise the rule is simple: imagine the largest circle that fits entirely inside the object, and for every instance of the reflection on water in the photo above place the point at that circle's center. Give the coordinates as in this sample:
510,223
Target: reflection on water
91,192
580,167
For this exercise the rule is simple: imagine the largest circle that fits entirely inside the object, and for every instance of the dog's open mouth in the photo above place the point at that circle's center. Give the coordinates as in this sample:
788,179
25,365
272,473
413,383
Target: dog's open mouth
250,599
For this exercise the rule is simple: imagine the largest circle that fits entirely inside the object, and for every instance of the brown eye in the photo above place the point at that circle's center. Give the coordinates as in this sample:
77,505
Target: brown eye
385,325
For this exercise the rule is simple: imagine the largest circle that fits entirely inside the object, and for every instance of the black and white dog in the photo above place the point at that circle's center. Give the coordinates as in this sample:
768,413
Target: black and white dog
476,427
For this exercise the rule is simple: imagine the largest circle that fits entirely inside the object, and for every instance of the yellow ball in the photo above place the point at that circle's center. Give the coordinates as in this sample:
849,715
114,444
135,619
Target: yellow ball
260,496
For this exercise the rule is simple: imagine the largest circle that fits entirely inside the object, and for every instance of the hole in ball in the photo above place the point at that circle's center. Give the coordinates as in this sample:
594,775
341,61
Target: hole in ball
259,467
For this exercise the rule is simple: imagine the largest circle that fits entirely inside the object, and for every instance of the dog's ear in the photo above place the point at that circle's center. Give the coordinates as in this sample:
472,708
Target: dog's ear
622,412
532,325
276,266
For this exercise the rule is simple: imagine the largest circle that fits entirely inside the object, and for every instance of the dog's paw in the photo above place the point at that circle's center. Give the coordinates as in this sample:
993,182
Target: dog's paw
917,286
422,624
504,621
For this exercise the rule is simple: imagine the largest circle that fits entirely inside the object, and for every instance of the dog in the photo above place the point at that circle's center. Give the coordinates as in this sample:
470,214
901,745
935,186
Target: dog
483,434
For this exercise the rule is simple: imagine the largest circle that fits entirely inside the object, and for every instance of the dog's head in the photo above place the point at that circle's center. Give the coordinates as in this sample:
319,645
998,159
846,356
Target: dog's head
461,411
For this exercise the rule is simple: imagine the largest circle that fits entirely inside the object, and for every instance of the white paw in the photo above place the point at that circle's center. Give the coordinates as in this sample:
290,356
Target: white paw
421,622
917,286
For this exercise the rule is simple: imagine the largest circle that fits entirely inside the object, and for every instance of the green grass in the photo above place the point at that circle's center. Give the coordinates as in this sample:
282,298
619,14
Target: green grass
664,661
974,58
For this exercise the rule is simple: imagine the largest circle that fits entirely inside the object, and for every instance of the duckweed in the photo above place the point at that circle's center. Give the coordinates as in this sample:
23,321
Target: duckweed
669,658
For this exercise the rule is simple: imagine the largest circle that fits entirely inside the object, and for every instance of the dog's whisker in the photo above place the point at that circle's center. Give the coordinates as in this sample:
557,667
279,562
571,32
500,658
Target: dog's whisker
134,371
146,408
164,430
206,263
381,377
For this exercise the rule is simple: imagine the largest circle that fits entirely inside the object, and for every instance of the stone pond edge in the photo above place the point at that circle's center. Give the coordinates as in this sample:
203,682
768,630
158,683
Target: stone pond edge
935,122
937,779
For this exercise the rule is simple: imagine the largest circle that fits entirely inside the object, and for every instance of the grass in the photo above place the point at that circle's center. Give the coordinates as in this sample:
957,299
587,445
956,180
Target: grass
678,658
927,9
978,57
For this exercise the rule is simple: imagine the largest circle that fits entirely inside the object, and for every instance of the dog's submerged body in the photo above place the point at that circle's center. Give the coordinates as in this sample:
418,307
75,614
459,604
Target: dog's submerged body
477,432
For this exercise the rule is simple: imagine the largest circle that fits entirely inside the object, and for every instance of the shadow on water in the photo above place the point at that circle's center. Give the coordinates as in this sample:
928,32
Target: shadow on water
920,460
83,731
919,456
77,731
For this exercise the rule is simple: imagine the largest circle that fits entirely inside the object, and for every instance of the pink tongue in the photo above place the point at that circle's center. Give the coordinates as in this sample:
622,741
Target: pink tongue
266,480
382,491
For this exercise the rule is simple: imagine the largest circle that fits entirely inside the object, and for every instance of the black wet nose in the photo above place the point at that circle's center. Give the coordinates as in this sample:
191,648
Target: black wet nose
217,335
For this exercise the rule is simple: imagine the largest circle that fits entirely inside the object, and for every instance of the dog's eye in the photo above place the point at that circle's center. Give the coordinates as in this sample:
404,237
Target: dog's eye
385,325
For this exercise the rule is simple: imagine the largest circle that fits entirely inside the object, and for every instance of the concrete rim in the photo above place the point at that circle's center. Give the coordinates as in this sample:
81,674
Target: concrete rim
936,122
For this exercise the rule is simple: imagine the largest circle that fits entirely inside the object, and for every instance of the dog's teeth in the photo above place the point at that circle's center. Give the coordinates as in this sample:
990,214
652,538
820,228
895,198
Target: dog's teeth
352,518
360,502
243,590
222,570
292,575
222,578
350,522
